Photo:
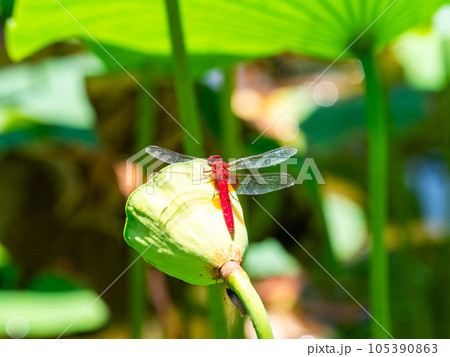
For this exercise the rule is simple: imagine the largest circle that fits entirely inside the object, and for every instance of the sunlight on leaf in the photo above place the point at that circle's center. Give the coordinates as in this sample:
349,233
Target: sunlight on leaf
47,314
246,29
32,92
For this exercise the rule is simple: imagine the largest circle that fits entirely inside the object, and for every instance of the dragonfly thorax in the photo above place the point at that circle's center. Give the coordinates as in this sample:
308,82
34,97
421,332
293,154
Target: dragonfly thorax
214,158
219,168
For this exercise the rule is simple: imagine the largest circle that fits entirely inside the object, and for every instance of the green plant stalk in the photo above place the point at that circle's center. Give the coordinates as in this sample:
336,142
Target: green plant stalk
136,294
144,133
230,127
184,86
239,282
377,175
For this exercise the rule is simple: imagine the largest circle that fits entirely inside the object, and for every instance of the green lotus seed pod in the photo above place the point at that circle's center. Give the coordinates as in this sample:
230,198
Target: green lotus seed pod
175,222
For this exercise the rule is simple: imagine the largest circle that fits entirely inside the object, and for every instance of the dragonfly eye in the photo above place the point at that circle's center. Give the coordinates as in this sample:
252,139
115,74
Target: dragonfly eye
213,159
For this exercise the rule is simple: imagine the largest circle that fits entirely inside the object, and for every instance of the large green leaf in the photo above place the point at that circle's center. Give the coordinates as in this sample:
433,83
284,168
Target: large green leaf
248,28
48,314
51,92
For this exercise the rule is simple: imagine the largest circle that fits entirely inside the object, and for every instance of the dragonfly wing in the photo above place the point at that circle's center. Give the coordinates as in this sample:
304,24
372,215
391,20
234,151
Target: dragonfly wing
263,183
181,207
166,155
266,159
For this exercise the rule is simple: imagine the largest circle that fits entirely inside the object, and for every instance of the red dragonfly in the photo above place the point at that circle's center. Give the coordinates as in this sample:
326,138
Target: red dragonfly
244,184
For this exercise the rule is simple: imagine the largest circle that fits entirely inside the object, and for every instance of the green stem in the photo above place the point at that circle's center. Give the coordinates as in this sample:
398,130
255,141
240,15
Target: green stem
377,175
136,297
239,282
144,134
184,86
229,124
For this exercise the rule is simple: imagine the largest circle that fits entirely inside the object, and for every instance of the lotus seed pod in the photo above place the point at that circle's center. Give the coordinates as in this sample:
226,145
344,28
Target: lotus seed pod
175,222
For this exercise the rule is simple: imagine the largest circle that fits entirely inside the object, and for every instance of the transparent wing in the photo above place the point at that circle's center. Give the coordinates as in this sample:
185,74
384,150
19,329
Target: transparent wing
262,183
183,206
166,155
266,159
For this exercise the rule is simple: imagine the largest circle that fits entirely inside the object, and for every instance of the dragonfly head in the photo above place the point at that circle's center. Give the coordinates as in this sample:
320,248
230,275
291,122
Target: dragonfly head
213,159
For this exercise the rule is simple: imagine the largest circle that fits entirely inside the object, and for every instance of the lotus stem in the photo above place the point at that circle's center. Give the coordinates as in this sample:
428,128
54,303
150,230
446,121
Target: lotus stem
136,294
239,282
376,114
184,85
144,135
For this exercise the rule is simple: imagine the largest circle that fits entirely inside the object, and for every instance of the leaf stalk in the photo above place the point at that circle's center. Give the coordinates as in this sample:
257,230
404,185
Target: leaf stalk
376,116
239,282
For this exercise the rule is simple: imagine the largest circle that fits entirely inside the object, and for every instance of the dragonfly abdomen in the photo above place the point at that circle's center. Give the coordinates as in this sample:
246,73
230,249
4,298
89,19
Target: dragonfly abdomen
225,203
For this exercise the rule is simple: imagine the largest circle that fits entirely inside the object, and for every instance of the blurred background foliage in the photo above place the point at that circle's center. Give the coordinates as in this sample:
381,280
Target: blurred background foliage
70,117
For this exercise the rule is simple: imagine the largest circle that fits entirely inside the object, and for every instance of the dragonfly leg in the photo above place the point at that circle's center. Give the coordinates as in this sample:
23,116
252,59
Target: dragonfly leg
206,173
200,179
215,193
232,195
